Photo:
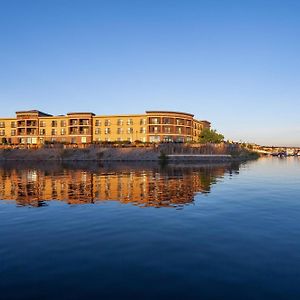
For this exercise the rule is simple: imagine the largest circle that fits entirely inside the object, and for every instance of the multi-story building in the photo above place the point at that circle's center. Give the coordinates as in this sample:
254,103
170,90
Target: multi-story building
34,128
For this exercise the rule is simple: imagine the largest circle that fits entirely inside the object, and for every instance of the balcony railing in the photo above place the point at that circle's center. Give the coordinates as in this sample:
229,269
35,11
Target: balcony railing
31,124
74,122
84,122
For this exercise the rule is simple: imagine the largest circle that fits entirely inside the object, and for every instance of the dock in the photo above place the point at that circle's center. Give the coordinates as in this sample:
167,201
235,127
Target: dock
199,157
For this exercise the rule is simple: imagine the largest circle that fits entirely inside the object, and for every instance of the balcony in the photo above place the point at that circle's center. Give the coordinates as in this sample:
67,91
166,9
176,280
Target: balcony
84,131
21,132
74,123
31,123
21,123
153,129
168,121
74,131
154,121
179,122
84,122
31,132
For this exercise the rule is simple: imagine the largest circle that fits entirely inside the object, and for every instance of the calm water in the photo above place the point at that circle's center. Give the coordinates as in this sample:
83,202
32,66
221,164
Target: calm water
147,232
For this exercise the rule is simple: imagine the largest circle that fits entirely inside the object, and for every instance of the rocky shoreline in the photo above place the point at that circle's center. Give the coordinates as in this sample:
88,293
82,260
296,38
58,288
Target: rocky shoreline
114,154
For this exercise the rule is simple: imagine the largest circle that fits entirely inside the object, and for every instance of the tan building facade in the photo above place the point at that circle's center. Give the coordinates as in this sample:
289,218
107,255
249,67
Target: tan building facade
35,128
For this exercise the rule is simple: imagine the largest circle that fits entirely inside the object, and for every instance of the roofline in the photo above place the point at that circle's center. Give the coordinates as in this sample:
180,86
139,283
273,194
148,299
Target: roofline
125,115
81,113
32,111
168,112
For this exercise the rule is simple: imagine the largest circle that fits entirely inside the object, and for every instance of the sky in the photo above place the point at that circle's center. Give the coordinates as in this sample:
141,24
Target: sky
235,63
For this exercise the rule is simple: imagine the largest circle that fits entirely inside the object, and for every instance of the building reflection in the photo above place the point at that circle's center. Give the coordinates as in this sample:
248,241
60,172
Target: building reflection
171,186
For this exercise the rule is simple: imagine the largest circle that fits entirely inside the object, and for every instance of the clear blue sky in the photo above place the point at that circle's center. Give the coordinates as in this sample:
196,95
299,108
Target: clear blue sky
235,63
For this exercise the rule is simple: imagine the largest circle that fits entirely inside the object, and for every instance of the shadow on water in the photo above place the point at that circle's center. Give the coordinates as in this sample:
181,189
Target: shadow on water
143,184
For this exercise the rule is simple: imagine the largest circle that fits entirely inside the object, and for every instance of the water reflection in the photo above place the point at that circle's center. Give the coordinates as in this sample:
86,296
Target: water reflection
142,184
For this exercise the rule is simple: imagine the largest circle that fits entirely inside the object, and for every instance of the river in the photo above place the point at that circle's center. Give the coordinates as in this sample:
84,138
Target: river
144,231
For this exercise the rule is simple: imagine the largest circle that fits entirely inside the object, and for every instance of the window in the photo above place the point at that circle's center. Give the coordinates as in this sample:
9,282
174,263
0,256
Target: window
107,123
143,130
154,139
154,120
129,122
84,122
83,140
107,131
13,132
42,124
73,122
97,131
53,132
63,131
179,130
167,139
179,122
63,123
120,122
167,129
120,130
21,123
2,125
13,124
129,130
2,132
54,123
42,131
142,121
31,123
167,121
97,123
180,139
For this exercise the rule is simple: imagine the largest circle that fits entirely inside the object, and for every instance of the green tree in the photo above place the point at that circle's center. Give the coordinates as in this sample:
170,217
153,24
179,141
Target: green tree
210,136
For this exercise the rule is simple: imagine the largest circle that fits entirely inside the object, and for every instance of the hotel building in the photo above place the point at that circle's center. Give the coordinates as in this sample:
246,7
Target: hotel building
34,127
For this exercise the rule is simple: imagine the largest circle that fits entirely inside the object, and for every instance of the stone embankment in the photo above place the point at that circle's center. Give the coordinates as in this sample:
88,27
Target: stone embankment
102,154
179,154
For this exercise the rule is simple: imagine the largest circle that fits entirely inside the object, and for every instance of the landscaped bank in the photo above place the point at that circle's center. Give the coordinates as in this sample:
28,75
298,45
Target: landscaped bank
161,153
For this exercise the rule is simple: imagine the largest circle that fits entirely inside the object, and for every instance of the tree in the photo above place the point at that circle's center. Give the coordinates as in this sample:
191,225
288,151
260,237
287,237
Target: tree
210,136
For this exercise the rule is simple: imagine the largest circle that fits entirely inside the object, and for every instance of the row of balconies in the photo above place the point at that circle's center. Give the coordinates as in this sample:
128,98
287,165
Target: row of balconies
71,123
87,122
170,121
72,131
79,122
53,132
171,130
63,123
120,122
